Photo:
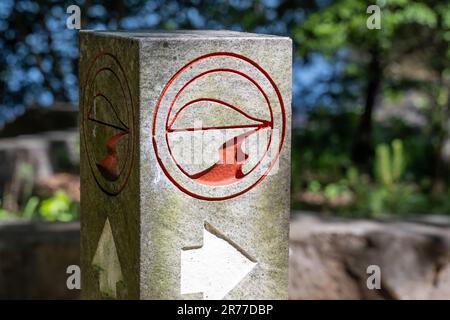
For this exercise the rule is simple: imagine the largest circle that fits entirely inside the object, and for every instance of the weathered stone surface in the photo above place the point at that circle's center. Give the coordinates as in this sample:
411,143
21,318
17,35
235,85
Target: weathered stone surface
329,258
34,258
141,95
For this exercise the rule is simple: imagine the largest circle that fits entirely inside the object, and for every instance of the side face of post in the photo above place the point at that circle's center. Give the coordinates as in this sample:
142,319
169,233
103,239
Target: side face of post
215,118
109,140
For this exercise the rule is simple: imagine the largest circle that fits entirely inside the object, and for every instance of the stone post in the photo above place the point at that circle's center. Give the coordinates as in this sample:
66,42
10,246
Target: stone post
185,164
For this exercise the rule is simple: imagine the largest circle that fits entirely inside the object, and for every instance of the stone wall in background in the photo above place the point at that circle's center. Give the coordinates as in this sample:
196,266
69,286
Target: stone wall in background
34,258
329,258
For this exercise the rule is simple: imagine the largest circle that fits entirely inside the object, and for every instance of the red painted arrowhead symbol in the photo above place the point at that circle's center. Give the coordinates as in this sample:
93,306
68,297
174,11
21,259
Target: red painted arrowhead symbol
231,159
109,166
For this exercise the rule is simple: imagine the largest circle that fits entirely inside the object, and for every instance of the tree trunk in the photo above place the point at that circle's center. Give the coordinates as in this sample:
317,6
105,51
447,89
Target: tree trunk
362,150
440,134
440,114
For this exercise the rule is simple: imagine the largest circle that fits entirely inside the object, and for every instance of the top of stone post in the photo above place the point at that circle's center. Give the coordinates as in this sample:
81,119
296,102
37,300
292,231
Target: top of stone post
181,34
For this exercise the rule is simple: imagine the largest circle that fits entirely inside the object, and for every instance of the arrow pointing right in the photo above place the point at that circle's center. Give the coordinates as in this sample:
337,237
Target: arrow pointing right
215,268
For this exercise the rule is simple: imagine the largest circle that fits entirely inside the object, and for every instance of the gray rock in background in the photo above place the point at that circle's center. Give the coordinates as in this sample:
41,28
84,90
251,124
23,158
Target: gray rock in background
30,159
143,220
329,258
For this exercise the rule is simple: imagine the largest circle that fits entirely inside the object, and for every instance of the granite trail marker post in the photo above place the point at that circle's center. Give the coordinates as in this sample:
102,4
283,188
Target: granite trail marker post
185,164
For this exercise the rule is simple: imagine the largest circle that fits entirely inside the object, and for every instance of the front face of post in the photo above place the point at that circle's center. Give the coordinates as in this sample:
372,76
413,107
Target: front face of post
193,198
215,175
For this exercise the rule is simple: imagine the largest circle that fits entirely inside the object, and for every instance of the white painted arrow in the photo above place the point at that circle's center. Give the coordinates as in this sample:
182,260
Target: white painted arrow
107,262
215,268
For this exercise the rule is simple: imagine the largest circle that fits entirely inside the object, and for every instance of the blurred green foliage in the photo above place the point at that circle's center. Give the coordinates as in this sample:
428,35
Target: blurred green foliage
389,165
4,214
344,160
325,180
58,207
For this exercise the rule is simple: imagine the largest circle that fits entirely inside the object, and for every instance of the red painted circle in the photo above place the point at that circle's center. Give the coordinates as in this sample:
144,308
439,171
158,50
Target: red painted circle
168,85
220,102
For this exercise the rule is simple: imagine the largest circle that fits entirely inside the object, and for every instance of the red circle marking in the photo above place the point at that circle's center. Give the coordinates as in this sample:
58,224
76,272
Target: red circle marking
169,83
88,107
266,98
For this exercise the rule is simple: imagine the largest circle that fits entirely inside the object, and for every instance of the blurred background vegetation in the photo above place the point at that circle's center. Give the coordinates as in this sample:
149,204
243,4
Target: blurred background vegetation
371,107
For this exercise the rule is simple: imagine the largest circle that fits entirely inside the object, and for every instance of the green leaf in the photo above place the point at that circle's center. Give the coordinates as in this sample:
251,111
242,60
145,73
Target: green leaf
30,207
57,208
